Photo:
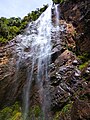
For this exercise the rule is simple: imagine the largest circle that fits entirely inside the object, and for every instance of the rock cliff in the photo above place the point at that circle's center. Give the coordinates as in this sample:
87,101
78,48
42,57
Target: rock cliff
69,85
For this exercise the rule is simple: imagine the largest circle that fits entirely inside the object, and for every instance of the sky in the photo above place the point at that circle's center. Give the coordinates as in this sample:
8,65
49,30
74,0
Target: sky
20,8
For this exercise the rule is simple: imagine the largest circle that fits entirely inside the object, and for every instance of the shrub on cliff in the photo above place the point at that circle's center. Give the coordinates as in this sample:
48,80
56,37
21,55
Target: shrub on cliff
11,113
58,1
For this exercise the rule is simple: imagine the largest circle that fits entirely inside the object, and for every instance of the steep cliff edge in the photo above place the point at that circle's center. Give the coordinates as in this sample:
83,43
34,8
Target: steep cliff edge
78,14
69,76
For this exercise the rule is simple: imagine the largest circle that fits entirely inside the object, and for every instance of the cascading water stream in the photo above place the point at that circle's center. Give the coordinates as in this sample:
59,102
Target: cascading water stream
38,39
44,39
57,16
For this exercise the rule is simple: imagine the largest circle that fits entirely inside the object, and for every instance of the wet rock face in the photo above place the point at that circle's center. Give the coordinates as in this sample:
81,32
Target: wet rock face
12,76
78,13
66,80
80,110
14,72
68,86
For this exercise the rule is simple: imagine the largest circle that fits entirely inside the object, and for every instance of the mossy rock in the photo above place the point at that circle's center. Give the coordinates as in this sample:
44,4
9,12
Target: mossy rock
35,112
64,112
84,65
84,57
11,113
17,116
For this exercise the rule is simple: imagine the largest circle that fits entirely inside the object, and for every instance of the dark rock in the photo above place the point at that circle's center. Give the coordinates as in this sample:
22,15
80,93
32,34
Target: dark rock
66,83
78,13
80,110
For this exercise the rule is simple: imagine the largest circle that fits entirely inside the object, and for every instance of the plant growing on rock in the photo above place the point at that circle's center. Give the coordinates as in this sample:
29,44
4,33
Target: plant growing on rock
11,113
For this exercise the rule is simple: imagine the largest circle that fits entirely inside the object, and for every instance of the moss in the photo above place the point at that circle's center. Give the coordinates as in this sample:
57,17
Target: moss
11,113
65,110
36,110
84,65
3,40
57,115
17,116
14,113
5,114
84,57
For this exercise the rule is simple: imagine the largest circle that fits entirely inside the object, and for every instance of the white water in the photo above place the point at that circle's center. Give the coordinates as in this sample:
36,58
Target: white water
38,39
57,16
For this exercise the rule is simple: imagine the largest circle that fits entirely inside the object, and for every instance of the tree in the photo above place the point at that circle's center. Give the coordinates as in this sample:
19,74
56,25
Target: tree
11,27
58,1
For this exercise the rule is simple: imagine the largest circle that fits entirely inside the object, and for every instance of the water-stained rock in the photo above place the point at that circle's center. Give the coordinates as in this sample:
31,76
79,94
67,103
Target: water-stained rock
66,84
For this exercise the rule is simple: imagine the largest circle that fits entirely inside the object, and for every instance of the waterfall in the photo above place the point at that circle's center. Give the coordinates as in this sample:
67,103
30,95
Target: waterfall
57,16
44,52
38,37
37,40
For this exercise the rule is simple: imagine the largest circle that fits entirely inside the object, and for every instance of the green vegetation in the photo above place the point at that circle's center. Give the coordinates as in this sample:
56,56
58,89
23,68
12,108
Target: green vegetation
61,1
84,65
11,113
11,27
14,113
58,1
35,112
66,108
84,57
65,111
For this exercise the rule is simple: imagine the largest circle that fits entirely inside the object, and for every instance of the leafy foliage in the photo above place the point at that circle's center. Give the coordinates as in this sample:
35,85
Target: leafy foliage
11,113
11,27
58,1
14,112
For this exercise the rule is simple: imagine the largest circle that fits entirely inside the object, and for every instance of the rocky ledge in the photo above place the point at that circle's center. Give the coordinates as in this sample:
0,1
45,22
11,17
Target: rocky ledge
69,83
